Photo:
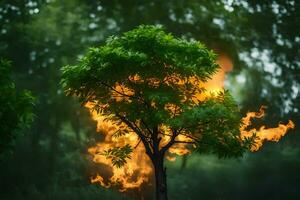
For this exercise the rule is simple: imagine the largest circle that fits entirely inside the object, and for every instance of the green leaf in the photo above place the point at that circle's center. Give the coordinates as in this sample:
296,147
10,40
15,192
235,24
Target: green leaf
118,155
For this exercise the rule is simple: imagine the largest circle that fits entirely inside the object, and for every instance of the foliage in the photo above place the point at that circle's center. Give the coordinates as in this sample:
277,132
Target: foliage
118,155
16,111
167,71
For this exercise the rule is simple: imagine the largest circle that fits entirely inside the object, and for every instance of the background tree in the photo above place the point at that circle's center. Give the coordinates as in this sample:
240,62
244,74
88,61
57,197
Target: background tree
16,108
148,80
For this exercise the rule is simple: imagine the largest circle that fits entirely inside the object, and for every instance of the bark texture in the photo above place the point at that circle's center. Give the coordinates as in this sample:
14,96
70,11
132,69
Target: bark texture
160,179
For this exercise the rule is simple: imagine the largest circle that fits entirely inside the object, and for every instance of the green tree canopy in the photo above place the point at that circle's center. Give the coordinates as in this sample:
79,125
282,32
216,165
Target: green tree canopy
164,66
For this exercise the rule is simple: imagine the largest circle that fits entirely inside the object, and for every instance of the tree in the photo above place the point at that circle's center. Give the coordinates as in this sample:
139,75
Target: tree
16,108
148,81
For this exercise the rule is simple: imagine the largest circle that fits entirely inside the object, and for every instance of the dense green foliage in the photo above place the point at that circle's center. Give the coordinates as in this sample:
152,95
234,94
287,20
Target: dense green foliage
16,111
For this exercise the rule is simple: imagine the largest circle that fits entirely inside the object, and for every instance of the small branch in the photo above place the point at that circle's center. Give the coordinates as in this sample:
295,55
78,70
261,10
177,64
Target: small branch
190,136
138,132
123,94
171,142
137,143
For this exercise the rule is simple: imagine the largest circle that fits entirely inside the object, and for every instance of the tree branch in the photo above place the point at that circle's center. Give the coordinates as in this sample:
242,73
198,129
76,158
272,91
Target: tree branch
123,94
189,136
138,143
138,132
171,142
146,126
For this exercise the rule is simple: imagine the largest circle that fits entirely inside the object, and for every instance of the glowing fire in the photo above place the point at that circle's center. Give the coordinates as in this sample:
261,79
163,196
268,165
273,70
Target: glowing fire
138,169
263,133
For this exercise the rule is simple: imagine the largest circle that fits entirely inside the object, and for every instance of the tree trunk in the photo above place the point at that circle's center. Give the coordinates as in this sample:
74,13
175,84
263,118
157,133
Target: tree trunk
160,179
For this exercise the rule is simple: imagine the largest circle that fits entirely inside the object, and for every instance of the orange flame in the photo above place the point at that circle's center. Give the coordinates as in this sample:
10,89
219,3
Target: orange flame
135,172
263,133
138,169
